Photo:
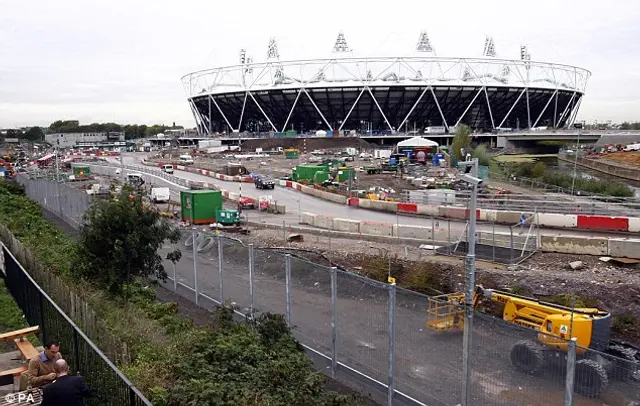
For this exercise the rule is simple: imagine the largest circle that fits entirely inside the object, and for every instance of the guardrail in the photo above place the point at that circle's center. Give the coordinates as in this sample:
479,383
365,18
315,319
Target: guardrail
517,202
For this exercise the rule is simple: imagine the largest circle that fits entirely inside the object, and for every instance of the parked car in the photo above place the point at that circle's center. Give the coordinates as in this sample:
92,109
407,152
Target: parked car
167,168
264,183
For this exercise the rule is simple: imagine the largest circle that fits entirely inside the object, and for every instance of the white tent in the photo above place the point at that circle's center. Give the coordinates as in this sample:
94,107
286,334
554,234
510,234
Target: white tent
417,142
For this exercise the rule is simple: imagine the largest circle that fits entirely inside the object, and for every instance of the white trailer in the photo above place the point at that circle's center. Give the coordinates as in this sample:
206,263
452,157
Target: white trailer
160,194
382,153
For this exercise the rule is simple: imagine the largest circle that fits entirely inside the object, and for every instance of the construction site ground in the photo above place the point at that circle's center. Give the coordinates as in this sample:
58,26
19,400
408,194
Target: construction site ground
544,275
309,143
629,158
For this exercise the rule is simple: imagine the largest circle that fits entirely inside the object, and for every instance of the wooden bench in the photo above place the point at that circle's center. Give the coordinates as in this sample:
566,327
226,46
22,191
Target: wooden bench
19,333
15,371
27,349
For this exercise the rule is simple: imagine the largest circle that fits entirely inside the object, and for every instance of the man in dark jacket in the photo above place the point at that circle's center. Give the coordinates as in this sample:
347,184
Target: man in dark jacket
66,390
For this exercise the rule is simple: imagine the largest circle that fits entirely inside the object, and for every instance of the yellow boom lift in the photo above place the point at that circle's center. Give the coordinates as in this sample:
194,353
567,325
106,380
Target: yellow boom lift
555,325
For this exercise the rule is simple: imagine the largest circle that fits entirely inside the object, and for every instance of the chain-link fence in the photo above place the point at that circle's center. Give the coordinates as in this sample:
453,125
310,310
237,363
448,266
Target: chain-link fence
367,331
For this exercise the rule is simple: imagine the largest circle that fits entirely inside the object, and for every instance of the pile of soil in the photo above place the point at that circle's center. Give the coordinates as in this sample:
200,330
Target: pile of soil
311,143
630,158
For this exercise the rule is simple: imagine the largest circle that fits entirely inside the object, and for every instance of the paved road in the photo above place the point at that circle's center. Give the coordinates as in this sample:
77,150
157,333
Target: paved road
297,202
428,364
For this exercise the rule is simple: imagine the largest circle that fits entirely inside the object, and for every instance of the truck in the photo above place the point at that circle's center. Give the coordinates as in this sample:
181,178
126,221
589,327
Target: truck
160,194
434,130
382,153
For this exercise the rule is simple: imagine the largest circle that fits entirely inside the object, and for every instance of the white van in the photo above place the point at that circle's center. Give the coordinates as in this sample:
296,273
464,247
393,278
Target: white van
186,159
167,168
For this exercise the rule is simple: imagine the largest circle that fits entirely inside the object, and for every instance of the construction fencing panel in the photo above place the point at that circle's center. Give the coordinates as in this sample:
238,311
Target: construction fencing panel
363,325
428,364
311,310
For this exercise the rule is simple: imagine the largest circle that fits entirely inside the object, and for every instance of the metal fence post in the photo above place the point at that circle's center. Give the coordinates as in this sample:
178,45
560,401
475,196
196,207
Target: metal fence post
392,343
287,272
251,265
175,277
571,371
195,263
511,245
220,270
494,239
334,318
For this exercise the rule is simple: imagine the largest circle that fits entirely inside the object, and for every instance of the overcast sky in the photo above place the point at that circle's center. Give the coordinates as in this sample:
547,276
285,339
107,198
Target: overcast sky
122,60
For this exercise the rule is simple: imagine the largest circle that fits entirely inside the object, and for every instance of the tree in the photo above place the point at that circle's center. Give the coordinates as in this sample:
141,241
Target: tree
461,140
34,134
481,153
120,239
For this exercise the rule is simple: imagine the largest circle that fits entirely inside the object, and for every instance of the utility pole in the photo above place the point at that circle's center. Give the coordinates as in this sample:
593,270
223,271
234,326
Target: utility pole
57,166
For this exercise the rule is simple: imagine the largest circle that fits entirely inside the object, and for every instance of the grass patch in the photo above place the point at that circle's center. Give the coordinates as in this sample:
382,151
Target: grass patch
11,318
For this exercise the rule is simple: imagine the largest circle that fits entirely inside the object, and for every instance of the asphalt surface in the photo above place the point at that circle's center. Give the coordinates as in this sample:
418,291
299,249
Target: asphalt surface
298,203
428,364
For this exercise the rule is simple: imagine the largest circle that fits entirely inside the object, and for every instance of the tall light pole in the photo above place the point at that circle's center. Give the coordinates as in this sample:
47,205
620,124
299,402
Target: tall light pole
469,176
575,161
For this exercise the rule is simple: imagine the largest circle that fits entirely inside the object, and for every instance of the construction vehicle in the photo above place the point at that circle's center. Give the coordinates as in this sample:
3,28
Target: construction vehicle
556,325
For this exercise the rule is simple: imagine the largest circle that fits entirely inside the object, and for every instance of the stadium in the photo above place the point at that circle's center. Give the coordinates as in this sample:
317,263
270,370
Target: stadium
344,94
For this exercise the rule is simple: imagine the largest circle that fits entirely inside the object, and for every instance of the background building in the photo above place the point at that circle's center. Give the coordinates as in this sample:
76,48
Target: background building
71,140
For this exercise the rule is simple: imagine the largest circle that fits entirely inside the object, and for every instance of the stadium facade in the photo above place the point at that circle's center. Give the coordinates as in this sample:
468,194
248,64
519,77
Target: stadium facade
385,94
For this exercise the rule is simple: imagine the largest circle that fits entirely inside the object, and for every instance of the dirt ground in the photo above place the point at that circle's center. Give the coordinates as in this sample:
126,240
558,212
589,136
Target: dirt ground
545,275
632,158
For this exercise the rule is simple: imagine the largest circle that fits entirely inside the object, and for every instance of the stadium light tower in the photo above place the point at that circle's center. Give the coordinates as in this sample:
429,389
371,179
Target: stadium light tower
273,55
424,44
489,47
526,56
341,44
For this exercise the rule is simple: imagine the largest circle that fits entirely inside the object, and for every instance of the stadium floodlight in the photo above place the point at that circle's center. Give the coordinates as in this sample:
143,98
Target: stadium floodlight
489,47
424,45
341,44
272,52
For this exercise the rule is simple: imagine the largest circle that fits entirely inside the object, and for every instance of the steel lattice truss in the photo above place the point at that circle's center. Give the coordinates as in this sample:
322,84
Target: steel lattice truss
388,94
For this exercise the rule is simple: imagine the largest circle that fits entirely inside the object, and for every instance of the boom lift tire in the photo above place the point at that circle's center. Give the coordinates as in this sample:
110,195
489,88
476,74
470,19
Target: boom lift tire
623,369
527,356
590,378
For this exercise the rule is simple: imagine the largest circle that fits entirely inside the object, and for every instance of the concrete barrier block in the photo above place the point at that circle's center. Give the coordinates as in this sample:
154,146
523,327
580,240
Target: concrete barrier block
488,215
365,203
307,218
383,206
406,231
282,182
233,196
324,222
557,220
376,228
428,210
281,209
575,245
634,225
348,226
625,248
511,217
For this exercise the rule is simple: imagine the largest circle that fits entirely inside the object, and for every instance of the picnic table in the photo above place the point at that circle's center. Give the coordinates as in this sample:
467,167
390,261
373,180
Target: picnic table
24,398
27,352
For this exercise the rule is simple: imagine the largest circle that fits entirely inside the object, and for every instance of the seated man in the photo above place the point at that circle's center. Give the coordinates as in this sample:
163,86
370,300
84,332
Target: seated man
41,368
66,390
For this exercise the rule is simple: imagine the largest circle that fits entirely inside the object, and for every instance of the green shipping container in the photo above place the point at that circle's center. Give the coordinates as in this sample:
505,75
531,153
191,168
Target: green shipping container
344,174
81,171
291,154
307,172
320,177
200,206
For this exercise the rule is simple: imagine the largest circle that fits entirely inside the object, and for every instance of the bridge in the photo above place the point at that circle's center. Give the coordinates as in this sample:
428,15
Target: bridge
516,138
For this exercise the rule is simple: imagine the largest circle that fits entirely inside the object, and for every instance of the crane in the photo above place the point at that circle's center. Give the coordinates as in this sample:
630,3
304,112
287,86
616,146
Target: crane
555,326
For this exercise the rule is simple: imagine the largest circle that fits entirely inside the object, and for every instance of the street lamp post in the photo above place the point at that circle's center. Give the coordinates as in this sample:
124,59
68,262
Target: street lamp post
470,176
575,160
